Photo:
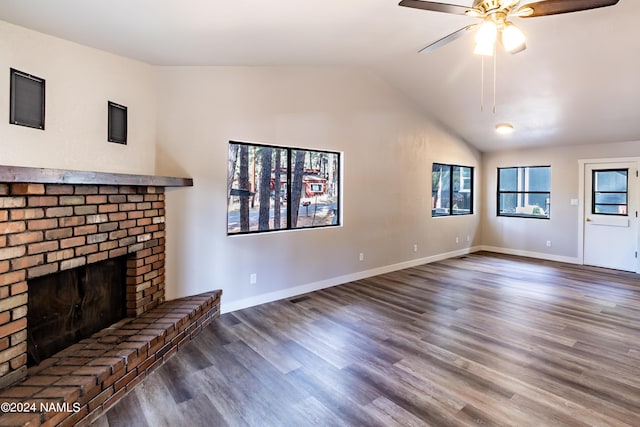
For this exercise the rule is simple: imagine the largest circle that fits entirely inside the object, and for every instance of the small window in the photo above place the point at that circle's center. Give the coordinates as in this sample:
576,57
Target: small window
117,122
610,192
524,192
27,100
316,188
451,190
281,188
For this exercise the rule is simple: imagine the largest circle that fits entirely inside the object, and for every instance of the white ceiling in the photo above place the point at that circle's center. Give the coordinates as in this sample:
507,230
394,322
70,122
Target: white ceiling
578,82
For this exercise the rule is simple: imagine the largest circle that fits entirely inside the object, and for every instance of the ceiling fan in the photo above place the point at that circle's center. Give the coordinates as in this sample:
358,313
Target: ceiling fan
495,26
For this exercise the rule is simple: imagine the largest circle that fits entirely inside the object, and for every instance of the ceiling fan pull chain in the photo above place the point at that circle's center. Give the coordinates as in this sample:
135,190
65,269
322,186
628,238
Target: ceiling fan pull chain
495,72
482,83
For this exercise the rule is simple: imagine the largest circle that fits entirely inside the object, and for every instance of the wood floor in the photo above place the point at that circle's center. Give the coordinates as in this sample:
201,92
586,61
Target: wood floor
481,340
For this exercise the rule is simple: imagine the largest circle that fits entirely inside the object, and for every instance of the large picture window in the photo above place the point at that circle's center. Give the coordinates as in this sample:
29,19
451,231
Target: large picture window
524,192
279,188
451,190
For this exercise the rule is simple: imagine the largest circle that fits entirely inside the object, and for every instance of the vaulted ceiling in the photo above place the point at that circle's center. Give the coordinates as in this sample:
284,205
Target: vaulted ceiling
578,82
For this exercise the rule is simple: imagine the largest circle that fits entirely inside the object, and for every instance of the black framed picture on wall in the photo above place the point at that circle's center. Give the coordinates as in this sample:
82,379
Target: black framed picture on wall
117,123
27,100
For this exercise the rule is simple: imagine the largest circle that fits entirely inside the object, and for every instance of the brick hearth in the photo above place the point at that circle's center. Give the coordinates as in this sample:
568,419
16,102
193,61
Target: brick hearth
87,378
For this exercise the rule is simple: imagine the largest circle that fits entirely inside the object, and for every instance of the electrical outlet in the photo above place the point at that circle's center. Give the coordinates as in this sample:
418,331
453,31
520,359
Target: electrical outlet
415,248
548,243
361,256
457,240
468,238
253,278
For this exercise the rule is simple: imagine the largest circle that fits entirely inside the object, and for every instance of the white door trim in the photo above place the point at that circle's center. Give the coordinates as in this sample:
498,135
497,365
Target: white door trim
582,166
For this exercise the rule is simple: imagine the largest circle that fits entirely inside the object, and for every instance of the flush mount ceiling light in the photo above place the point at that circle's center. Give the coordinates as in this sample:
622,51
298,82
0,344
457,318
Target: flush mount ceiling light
504,128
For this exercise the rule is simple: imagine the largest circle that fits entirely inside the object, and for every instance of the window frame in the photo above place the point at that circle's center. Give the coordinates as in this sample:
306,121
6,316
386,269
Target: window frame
289,164
470,190
594,192
522,193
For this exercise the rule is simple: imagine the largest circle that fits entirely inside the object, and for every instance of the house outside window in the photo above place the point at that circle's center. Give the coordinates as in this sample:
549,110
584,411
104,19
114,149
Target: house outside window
451,190
524,192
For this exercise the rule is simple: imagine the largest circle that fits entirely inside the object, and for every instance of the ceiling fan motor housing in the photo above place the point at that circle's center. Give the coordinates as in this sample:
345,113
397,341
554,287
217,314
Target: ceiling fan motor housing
485,7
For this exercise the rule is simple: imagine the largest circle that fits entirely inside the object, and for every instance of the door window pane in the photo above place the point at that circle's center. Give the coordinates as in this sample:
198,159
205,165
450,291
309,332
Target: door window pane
610,192
611,198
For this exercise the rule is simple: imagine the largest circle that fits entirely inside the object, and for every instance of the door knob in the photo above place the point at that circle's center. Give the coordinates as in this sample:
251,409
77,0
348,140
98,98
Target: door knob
588,220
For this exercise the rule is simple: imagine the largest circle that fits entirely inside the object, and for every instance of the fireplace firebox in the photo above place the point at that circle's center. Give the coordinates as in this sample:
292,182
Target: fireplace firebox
65,307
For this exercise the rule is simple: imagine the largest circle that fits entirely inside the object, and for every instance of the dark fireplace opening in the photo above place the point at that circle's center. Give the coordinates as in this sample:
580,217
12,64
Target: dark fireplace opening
66,307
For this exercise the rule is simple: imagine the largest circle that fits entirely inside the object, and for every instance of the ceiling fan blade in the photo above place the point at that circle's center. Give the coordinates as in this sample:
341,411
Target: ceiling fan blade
448,39
554,7
436,7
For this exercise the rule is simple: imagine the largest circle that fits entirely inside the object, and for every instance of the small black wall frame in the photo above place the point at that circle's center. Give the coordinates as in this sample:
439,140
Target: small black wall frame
117,123
27,100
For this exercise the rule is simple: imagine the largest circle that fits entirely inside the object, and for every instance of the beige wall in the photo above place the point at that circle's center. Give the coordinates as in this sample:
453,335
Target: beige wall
529,236
387,153
79,82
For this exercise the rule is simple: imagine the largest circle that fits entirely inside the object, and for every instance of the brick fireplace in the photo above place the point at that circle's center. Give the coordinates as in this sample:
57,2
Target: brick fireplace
56,220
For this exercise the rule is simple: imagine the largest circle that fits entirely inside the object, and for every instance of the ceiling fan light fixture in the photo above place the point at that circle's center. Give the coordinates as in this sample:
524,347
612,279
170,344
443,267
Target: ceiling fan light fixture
513,39
486,38
504,128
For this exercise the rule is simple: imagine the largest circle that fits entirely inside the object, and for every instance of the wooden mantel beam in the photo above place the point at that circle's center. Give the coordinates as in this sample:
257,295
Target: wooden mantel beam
62,176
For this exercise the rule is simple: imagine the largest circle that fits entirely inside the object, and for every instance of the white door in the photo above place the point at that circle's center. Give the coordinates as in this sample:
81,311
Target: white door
611,215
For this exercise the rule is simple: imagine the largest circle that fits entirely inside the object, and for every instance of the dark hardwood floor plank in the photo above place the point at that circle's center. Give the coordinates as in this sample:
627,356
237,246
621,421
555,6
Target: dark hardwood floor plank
266,374
267,349
413,400
127,414
317,414
479,340
391,415
331,396
237,393
152,394
329,377
200,412
176,383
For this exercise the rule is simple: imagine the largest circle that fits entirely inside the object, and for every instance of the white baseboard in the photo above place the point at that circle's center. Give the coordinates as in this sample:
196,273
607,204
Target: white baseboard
334,281
538,255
